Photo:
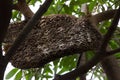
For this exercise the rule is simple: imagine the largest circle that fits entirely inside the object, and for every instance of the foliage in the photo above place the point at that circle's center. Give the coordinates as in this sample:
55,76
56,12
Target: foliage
63,65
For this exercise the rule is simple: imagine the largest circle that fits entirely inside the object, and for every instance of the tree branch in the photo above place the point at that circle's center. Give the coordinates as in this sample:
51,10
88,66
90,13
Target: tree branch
111,68
23,8
102,16
5,16
110,63
81,61
113,51
110,31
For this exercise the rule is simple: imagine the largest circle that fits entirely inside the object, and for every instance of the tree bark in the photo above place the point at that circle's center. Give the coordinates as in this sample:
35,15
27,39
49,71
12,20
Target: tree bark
5,16
111,68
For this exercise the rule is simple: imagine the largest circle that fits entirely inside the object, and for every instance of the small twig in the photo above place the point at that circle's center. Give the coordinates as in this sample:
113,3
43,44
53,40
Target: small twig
82,62
113,51
79,60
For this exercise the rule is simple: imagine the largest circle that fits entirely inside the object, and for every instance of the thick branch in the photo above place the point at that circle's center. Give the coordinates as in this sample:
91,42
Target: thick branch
111,68
102,16
5,16
111,30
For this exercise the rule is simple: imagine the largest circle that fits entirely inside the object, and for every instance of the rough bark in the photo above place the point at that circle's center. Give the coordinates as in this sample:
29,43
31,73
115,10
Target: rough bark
5,16
23,8
111,68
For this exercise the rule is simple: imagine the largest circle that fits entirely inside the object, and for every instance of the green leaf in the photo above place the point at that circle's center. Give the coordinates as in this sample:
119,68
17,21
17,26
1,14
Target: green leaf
68,63
56,62
89,55
62,71
92,5
67,9
14,14
101,1
32,2
28,76
11,73
113,44
18,75
47,69
48,76
117,55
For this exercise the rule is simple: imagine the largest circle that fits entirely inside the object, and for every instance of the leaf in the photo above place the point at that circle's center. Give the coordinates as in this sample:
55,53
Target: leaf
32,2
101,1
48,76
92,5
113,44
62,71
56,62
45,77
14,15
117,55
11,73
67,9
68,63
89,55
18,75
47,69
28,76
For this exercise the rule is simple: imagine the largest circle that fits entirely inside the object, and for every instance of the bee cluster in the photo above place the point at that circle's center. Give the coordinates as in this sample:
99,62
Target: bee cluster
53,37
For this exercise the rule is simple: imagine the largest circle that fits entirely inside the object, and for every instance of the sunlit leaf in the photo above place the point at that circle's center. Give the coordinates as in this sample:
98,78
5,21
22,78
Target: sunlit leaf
11,73
18,75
